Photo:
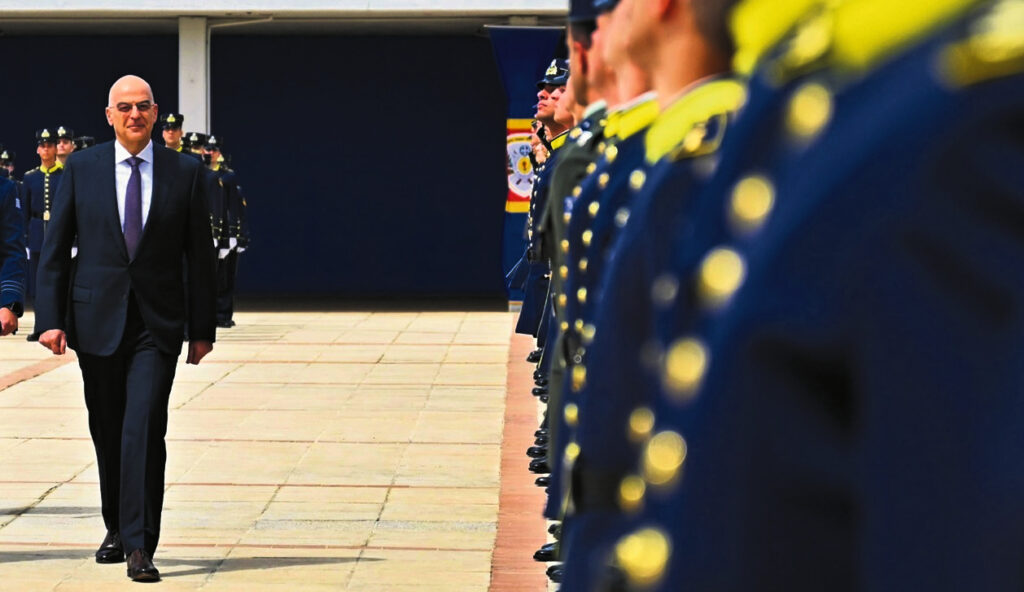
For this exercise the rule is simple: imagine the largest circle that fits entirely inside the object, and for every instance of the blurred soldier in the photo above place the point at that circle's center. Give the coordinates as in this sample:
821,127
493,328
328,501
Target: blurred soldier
65,143
838,403
170,124
13,268
236,231
83,142
40,188
7,171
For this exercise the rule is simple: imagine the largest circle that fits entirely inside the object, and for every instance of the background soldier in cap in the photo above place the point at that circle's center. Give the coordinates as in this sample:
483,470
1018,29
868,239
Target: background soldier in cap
7,171
65,143
170,124
236,230
40,188
83,142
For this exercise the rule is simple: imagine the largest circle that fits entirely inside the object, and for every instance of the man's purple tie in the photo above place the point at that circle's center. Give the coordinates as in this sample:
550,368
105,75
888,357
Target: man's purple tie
133,208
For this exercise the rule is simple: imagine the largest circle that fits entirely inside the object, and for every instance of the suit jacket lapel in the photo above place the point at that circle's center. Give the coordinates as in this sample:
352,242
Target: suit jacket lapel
162,177
107,192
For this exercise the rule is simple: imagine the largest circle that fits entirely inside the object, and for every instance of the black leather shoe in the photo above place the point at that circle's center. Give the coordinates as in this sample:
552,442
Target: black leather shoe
539,465
541,381
548,552
534,356
543,398
32,337
539,390
555,573
536,451
539,374
224,324
141,568
111,550
542,481
541,441
555,530
542,432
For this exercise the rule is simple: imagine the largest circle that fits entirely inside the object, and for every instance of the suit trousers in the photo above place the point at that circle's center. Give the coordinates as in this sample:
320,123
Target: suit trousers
127,395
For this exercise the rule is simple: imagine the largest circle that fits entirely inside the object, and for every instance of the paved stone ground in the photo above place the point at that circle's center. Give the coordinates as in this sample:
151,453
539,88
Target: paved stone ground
310,451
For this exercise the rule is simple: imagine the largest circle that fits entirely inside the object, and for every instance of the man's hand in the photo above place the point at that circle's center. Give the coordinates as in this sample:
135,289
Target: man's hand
54,340
8,321
197,350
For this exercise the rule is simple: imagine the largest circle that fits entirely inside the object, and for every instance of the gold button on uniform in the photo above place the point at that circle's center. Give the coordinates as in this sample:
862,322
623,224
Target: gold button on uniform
571,412
664,290
579,377
664,456
637,179
611,153
643,556
584,262
563,272
631,493
587,236
641,424
621,217
810,110
591,168
572,451
587,333
565,245
576,191
602,180
685,363
593,208
721,274
751,202
581,295
563,300
578,325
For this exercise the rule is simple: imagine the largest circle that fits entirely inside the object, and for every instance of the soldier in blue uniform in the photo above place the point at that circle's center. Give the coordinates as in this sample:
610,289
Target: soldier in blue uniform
7,171
40,186
65,143
550,87
837,350
171,130
13,268
236,230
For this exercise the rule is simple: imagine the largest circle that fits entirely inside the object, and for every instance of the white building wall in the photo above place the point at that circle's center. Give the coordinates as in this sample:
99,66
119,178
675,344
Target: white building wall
293,8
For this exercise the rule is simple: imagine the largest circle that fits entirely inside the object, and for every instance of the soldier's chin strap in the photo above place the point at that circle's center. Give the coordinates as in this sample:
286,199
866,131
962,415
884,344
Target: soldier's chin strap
542,133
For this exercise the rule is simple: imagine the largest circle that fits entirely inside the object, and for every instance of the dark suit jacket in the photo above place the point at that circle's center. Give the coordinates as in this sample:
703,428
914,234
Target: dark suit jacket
177,230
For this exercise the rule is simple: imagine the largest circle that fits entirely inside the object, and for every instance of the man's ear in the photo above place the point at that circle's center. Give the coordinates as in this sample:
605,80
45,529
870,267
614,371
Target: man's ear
110,120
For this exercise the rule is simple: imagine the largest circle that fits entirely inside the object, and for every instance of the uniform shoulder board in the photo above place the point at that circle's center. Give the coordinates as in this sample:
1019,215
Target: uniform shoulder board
993,46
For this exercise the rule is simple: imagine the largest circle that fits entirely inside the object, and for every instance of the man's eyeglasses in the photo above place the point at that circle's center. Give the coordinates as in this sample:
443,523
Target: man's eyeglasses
142,106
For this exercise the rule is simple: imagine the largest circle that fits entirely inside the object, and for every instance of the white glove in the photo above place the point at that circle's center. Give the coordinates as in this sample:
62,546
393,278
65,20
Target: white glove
28,254
241,250
232,242
222,253
74,252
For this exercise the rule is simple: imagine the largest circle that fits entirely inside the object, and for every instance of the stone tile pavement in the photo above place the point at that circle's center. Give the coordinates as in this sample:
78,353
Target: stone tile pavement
310,451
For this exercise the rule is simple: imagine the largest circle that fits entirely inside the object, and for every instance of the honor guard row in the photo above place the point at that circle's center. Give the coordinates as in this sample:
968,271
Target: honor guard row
227,205
774,253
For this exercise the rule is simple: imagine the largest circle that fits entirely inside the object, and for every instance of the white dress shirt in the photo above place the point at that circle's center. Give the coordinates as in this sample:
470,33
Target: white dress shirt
123,171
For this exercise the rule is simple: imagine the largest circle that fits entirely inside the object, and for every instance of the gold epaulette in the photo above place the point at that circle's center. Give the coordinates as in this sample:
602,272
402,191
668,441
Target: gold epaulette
637,116
682,129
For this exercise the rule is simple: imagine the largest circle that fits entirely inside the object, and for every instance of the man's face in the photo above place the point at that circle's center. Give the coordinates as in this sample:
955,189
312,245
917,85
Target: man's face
132,112
172,137
565,105
615,48
65,147
214,154
546,103
636,21
47,151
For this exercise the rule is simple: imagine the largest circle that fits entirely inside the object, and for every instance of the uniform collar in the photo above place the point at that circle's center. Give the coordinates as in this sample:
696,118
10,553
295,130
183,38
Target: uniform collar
637,115
594,108
56,167
559,140
679,124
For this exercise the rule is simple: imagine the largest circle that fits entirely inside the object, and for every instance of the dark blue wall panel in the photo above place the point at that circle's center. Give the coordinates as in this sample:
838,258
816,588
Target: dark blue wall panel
373,166
64,80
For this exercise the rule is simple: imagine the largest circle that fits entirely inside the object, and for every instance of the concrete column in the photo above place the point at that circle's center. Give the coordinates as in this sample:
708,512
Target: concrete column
194,73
